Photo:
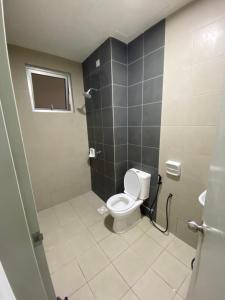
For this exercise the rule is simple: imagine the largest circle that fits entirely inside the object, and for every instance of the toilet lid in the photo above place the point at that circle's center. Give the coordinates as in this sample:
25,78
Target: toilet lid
132,184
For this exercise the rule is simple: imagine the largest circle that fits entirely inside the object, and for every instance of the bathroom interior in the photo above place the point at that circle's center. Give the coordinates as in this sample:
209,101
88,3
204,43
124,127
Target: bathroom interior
118,103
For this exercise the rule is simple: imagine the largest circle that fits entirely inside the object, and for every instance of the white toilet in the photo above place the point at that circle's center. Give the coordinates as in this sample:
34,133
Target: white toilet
125,207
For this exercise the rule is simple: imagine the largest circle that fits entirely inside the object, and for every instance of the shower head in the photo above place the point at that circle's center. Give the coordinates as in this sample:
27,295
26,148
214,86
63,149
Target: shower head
87,94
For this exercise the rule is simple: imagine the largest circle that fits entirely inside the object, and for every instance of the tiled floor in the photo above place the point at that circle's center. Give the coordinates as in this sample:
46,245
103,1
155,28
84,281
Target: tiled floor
87,261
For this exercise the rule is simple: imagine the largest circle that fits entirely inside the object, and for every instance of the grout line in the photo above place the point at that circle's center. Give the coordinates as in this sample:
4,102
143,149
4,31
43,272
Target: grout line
149,267
95,70
144,233
148,79
147,54
105,86
178,289
134,61
118,62
160,277
135,293
156,50
92,292
113,116
108,61
127,115
111,261
143,146
117,84
154,77
142,95
144,104
188,267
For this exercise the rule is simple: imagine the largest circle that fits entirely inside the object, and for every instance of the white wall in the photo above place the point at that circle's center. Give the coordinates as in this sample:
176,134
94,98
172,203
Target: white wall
194,76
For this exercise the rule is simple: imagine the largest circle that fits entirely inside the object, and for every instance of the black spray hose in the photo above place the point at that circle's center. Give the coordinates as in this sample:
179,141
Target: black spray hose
153,205
167,216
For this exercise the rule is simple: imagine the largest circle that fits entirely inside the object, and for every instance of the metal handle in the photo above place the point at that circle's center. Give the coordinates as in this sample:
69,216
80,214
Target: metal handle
195,227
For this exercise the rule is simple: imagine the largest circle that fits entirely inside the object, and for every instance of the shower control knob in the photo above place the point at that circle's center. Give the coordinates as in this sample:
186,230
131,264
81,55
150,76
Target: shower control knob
195,227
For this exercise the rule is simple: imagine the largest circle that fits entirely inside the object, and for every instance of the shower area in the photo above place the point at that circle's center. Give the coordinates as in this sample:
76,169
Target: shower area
124,111
106,114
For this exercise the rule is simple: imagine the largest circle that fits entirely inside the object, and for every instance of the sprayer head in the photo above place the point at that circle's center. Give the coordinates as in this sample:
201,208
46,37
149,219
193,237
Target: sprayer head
87,94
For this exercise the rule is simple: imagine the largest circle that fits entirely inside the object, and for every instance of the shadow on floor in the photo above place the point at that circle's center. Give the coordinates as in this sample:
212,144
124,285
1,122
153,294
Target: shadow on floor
108,222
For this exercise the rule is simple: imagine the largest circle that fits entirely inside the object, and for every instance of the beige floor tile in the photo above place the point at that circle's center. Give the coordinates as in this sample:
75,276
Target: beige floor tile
90,217
100,231
113,245
92,196
147,248
81,242
145,224
64,213
131,266
184,287
182,251
62,234
47,220
132,235
177,297
92,262
73,228
130,295
59,255
67,280
78,203
54,238
54,260
108,285
164,239
83,209
170,269
94,200
83,293
151,285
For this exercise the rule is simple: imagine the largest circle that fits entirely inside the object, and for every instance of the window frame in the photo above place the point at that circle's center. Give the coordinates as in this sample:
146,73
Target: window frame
52,73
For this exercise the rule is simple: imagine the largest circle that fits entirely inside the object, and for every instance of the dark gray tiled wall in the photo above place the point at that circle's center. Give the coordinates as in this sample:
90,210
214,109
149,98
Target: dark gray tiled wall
100,119
119,83
107,116
145,78
124,117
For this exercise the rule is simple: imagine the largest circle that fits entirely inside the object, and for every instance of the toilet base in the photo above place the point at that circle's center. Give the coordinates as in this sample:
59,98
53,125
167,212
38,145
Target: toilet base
123,224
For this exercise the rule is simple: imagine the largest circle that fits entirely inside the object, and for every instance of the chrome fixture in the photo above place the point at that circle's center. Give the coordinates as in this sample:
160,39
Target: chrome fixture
87,94
195,227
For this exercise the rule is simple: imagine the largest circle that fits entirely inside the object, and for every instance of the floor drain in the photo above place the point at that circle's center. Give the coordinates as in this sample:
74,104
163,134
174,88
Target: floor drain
102,210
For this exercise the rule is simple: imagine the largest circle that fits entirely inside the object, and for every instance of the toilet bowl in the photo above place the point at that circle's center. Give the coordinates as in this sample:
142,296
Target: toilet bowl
125,207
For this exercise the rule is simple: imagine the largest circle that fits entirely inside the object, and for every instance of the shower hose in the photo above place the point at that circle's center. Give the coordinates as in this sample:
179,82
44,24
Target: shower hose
151,209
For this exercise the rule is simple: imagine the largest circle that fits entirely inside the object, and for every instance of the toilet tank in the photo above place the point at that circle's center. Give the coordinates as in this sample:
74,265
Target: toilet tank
144,179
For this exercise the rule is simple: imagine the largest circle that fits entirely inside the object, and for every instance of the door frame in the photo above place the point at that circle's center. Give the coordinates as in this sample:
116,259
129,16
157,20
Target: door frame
16,144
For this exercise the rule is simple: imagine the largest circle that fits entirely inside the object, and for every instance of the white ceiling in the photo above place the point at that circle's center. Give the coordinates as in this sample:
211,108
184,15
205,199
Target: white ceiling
74,28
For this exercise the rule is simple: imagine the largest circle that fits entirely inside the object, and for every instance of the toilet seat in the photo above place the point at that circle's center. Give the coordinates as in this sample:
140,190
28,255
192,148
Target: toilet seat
125,207
120,202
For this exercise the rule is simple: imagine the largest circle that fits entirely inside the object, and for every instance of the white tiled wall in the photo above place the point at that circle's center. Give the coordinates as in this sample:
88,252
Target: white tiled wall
194,77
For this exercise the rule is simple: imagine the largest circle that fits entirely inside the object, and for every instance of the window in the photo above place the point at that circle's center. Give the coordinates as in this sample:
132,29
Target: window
50,91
